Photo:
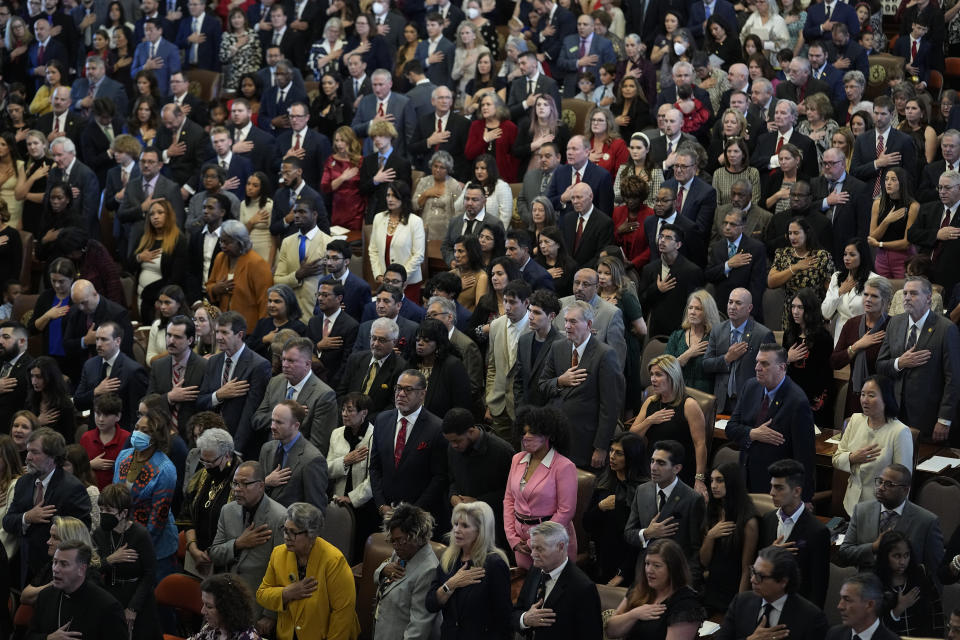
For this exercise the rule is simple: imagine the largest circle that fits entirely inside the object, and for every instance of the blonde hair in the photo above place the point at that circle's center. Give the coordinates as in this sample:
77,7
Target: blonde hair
710,312
354,150
670,366
70,529
480,515
168,235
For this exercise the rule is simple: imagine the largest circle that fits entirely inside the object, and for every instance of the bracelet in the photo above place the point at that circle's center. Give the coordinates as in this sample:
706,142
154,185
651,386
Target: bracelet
850,351
881,244
701,477
445,588
792,271
190,542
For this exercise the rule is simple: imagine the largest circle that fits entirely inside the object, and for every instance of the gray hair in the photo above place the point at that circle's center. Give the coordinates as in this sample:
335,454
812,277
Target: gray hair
870,588
218,440
589,315
96,61
382,73
925,285
855,76
683,64
448,305
743,182
634,38
238,232
333,22
67,143
952,176
882,285
306,517
790,104
285,291
433,94
552,532
764,84
547,207
802,61
443,158
285,65
392,328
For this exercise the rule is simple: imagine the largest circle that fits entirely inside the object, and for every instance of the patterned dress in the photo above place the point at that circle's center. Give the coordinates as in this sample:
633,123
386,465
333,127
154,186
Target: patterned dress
152,494
245,60
817,278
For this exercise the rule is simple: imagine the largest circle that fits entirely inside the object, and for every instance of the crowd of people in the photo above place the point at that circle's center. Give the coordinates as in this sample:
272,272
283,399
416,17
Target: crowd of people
727,154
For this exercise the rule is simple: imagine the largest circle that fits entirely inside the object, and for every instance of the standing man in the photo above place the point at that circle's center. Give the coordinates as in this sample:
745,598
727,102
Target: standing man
536,182
530,85
295,190
356,290
15,370
376,107
299,141
579,169
333,330
587,229
275,104
192,106
250,142
183,144
555,24
387,304
88,311
884,147
843,199
374,369
204,245
302,256
504,335
156,54
937,228
766,157
736,261
436,53
696,200
950,151
663,149
237,168
143,190
474,216
179,374
111,372
519,244
97,85
608,323
199,38
297,470
666,283
664,213
82,180
534,347
741,199
442,130
583,52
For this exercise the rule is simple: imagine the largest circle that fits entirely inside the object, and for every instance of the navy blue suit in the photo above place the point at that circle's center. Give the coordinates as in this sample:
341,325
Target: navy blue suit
239,168
536,276
566,25
282,206
316,148
270,108
408,309
108,88
852,51
54,50
594,175
439,72
208,51
699,204
721,9
816,16
834,78
171,62
355,295
261,156
570,53
924,51
167,28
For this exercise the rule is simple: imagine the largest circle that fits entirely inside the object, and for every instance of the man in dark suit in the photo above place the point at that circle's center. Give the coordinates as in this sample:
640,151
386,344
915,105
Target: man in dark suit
234,383
950,150
736,261
583,377
937,229
299,141
199,38
374,178
111,372
845,54
388,302
897,148
762,101
356,291
277,100
389,25
663,148
375,370
82,180
421,89
395,275
683,77
297,469
451,16
588,229
861,604
766,156
306,18
775,575
88,311
15,370
665,507
584,50
697,23
844,200
563,23
295,190
532,83
297,382
917,52
291,44
43,49
665,212
179,374
921,354
696,200
156,54
518,246
96,139
442,130
474,216
192,106
665,299
558,601
536,182
97,85
143,190
822,16
375,108
62,495
533,348
824,72
801,206
358,84
436,53
183,143
333,330
794,526
579,169
204,245
772,421
732,347
150,10
250,142
738,75
408,454
61,122
237,168
268,74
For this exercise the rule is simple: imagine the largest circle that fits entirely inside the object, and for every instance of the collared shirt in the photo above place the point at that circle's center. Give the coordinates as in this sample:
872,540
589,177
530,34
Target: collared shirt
443,119
773,392
742,328
243,132
777,610
69,169
111,361
286,449
579,348
736,248
952,212
775,159
785,524
227,158
45,481
431,48
214,400
667,492
867,634
479,221
210,240
837,187
411,420
297,388
333,318
586,216
548,588
384,102
310,234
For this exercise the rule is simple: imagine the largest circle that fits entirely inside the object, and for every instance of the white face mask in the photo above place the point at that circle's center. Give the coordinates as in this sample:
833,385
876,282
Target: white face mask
378,8
473,13
679,48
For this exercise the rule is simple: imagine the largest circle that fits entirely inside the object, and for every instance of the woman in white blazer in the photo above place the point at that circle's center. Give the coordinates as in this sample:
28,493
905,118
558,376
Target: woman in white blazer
398,237
348,463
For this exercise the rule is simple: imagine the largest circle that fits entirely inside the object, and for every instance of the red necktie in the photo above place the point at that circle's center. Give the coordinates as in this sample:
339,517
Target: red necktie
576,177
40,54
764,409
913,51
680,199
876,185
779,145
296,142
939,245
583,49
401,441
575,359
439,130
380,110
326,327
576,242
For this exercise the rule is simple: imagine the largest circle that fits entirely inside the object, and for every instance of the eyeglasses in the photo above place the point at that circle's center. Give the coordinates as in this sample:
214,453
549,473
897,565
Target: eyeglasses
380,339
292,533
398,542
886,484
210,463
240,484
947,187
407,390
830,163
759,577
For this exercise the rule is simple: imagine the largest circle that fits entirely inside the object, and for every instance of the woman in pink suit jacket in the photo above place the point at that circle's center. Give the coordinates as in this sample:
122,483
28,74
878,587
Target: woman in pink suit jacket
542,484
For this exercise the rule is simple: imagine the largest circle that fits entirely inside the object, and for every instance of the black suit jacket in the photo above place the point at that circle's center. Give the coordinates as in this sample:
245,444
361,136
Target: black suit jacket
752,277
421,477
517,93
381,391
459,127
332,360
594,175
76,328
316,147
281,207
182,168
91,610
692,246
802,617
767,146
840,632
87,206
377,193
574,599
198,110
923,234
12,401
536,276
813,551
865,152
356,294
73,128
565,24
789,91
161,381
851,220
526,387
133,383
666,309
929,177
349,95
658,152
94,145
261,156
597,233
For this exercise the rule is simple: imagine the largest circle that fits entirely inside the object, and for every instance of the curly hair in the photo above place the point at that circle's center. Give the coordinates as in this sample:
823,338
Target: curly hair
233,600
545,421
415,523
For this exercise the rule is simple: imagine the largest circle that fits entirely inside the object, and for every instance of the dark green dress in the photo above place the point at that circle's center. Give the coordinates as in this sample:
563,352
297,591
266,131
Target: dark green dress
629,305
693,374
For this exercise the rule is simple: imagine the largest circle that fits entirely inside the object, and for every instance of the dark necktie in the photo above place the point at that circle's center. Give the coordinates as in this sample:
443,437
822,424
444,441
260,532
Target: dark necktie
227,363
732,378
542,587
764,409
278,456
945,222
912,338
767,610
303,248
103,370
888,520
401,442
661,500
470,225
576,242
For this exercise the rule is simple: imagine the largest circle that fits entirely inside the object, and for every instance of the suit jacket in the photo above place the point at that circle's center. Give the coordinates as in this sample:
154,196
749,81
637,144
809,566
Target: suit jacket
456,228
377,193
87,206
421,476
108,88
804,619
208,51
597,233
420,96
643,19
408,333
308,467
840,632
381,391
181,169
658,151
527,381
813,551
865,152
816,16
593,406
752,277
94,145
402,603
266,73
920,526
64,491
356,295
791,417
196,278
500,371
270,108
574,599
756,226
333,359
161,381
171,62
12,401
669,96
76,327
130,210
405,120
532,180
517,93
237,412
323,416
536,276
288,261
240,168
600,183
684,505
854,52
565,24
924,51
261,156
929,392
281,207
927,191
698,15
666,309
408,309
439,72
788,91
851,220
91,610
692,247
199,112
570,54
458,126
923,234
699,205
53,50
316,147
833,78
473,362
767,146
347,92
608,325
132,377
754,334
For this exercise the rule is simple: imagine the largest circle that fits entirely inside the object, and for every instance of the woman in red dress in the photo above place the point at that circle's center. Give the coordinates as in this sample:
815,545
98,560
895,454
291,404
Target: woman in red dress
607,148
341,177
494,133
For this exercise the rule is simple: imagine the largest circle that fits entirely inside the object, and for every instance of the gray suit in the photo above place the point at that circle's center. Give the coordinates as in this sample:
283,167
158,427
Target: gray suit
323,416
754,334
161,381
607,326
456,227
249,564
918,524
420,98
308,480
684,504
402,607
593,406
527,381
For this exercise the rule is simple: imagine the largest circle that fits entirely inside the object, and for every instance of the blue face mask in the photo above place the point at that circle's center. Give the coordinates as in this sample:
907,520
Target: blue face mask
139,440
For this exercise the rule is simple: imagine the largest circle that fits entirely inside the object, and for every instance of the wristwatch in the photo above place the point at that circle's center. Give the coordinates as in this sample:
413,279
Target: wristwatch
701,477
445,588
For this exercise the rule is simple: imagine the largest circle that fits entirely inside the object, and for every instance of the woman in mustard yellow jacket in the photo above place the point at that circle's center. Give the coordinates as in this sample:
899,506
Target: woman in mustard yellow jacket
309,583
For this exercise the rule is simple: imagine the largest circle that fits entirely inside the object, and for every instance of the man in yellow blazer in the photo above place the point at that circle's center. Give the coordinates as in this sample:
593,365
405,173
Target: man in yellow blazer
302,256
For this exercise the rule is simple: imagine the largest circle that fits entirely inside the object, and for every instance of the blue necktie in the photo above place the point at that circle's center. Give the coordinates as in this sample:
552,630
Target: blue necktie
290,391
732,378
708,9
731,250
303,248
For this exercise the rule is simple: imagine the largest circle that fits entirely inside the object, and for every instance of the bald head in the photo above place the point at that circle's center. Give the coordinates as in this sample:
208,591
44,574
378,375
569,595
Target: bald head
582,197
739,306
738,75
84,295
672,122
578,151
585,284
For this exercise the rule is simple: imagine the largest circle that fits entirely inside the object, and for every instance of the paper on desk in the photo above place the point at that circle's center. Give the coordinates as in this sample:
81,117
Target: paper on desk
816,430
708,627
834,440
936,464
720,424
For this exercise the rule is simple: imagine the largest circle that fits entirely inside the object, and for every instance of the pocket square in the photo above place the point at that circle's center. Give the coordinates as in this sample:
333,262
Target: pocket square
422,446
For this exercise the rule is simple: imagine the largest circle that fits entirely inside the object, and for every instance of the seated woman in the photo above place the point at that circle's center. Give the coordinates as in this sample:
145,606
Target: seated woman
661,604
472,584
239,277
348,463
808,347
606,517
207,491
435,195
283,312
172,302
543,125
542,216
554,258
688,344
911,599
229,611
128,568
542,484
468,265
448,384
49,398
872,440
499,195
607,149
308,581
730,544
398,236
638,164
735,165
669,413
844,298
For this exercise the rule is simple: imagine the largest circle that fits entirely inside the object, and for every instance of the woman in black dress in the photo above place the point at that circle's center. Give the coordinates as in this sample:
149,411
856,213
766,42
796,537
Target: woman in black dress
328,111
670,414
36,166
661,602
448,384
49,399
809,347
129,562
283,312
554,258
911,601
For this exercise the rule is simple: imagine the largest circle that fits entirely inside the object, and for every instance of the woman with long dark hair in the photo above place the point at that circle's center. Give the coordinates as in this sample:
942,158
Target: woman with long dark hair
554,258
398,237
172,302
800,264
52,306
542,126
808,347
729,545
844,298
49,398
56,76
485,81
58,214
122,54
734,166
432,353
493,241
469,266
144,120
490,306
255,211
328,111
890,220
631,110
916,124
911,600
159,257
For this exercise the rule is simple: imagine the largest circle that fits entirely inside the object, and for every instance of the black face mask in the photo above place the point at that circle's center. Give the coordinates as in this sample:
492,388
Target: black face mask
108,521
